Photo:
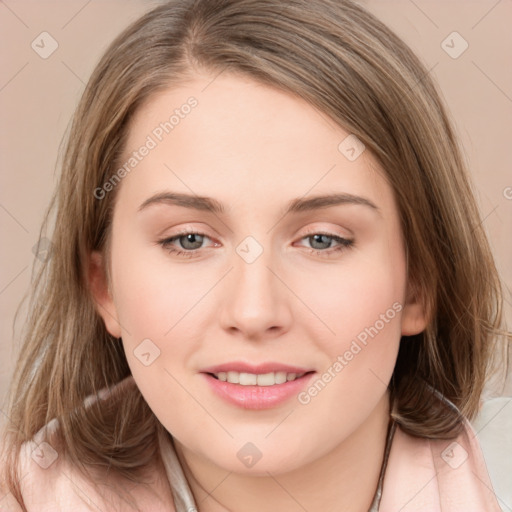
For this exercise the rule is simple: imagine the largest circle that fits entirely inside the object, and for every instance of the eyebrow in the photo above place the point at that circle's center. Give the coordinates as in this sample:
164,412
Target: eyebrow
294,206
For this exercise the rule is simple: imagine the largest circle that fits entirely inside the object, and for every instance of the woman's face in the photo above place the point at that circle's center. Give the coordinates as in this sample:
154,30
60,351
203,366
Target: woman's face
277,276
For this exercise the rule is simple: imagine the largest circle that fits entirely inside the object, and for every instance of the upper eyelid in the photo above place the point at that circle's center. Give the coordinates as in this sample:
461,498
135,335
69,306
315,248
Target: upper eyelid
313,231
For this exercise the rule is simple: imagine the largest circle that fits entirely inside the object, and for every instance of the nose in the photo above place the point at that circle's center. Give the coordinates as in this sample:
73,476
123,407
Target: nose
256,302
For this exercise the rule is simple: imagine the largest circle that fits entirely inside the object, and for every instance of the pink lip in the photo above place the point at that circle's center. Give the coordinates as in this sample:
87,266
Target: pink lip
257,397
240,366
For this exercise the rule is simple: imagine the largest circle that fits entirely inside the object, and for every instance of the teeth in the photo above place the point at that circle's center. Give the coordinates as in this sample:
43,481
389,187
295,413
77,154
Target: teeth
233,377
252,379
248,379
280,377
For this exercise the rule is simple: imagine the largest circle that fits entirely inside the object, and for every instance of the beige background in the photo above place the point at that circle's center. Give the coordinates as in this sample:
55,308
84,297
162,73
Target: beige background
37,97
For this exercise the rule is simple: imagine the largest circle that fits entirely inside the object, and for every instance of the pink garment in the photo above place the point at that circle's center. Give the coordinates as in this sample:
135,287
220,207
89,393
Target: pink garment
421,476
437,476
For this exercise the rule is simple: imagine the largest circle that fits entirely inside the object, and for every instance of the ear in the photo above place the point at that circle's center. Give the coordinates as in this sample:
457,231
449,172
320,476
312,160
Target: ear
102,295
414,314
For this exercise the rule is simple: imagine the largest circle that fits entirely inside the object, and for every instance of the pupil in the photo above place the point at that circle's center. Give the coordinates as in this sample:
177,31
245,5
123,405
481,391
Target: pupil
191,238
319,238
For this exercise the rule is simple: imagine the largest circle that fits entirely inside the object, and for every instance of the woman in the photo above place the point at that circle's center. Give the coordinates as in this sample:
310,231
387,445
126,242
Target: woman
257,370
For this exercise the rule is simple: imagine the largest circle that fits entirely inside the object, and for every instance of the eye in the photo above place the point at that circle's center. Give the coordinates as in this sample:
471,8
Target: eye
323,241
189,240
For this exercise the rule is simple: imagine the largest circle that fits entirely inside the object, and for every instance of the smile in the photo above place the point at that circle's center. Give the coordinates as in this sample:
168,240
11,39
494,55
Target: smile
257,391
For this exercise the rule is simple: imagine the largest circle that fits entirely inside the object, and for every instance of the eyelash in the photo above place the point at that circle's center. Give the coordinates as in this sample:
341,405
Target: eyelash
345,243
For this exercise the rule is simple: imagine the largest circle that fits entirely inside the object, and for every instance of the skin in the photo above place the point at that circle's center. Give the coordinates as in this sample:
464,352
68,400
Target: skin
254,148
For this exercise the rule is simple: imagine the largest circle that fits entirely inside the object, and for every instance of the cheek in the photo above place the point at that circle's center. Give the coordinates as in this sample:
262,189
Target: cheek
358,294
367,326
155,306
359,359
153,294
159,306
361,304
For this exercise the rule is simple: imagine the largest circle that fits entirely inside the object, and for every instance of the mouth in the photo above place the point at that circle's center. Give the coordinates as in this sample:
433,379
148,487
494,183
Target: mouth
257,390
257,379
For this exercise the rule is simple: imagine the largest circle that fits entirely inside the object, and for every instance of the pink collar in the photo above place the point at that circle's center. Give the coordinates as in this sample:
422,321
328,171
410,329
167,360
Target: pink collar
425,475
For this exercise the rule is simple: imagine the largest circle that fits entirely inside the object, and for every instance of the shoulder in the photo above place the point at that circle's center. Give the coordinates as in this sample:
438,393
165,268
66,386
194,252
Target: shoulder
430,475
50,482
47,480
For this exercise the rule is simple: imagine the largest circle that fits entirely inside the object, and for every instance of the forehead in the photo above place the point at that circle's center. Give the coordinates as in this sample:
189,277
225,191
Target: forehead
234,113
226,134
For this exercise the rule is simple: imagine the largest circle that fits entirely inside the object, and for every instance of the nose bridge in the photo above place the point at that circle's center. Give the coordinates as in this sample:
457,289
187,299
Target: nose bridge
256,299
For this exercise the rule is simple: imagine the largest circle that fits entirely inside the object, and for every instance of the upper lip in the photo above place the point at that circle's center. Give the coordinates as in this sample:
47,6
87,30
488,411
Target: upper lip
262,368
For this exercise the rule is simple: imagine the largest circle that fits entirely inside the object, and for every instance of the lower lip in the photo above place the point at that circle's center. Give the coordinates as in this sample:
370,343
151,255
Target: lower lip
257,397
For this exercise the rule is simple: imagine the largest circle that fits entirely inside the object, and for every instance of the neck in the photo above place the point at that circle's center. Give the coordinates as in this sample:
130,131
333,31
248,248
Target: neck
343,480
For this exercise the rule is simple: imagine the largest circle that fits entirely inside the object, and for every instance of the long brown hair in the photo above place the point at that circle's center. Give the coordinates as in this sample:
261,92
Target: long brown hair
349,65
